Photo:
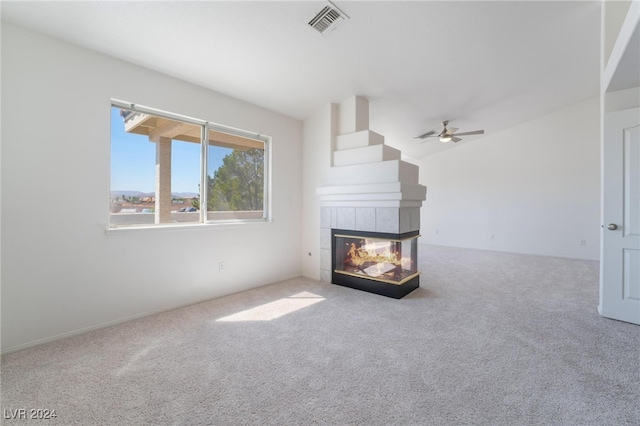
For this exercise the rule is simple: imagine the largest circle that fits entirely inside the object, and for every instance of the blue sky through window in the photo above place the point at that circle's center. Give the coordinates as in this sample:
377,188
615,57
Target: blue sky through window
133,161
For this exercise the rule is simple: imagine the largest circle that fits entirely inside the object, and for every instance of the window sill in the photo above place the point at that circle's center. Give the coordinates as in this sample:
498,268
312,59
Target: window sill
173,227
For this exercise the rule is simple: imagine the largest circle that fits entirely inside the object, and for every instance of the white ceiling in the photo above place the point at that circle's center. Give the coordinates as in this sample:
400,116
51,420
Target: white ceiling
481,65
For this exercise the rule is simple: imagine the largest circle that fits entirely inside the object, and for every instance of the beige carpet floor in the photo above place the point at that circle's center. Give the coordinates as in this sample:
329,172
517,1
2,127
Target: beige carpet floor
488,339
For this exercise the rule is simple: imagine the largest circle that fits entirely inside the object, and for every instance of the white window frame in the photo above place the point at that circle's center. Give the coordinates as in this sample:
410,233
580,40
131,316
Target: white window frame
206,126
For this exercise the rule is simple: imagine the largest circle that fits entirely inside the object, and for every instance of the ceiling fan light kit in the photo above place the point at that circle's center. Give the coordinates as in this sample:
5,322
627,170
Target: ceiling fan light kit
448,134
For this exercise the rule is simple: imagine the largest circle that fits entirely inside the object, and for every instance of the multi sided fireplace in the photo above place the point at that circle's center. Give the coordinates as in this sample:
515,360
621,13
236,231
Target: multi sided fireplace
380,263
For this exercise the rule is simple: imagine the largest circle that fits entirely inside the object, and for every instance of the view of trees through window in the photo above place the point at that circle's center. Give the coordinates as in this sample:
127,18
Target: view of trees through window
238,184
156,171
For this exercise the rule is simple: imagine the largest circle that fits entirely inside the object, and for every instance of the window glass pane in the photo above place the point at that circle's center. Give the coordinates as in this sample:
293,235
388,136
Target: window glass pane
235,177
185,181
132,174
155,169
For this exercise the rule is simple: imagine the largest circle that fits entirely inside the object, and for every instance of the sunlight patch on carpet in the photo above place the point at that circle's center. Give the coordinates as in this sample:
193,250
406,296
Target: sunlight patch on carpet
133,361
275,309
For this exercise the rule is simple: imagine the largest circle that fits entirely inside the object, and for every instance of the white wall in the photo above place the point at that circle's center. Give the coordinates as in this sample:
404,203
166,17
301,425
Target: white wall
316,160
60,272
534,187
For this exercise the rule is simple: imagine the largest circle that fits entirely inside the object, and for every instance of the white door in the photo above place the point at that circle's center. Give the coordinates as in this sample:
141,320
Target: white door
620,258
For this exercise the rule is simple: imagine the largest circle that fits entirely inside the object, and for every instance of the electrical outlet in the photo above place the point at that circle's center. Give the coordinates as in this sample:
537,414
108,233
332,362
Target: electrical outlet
437,232
492,237
583,242
221,267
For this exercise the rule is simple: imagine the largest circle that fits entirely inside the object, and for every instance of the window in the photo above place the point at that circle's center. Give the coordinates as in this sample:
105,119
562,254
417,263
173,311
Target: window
160,163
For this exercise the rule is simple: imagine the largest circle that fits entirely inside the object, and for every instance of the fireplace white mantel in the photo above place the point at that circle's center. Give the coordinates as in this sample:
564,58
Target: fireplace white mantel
368,187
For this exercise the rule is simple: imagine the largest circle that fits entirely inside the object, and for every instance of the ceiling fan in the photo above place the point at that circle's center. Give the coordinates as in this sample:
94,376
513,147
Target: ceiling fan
448,134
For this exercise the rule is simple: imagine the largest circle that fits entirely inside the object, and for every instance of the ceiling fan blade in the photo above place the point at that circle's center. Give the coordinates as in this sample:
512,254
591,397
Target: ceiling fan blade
426,135
475,132
454,139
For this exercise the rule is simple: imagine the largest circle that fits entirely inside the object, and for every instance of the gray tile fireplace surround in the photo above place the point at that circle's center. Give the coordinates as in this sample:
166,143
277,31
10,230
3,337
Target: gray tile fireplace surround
391,220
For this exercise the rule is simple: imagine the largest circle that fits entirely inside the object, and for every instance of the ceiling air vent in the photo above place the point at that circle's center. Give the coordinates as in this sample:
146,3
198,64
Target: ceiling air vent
327,19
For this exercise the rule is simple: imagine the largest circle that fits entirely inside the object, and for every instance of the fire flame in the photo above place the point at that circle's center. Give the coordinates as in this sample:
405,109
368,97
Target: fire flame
360,255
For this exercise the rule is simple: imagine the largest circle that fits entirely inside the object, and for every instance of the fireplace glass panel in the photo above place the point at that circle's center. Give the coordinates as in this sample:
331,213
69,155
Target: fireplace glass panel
387,260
